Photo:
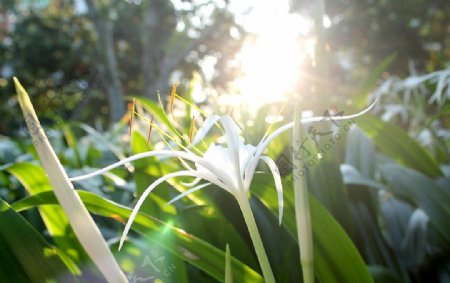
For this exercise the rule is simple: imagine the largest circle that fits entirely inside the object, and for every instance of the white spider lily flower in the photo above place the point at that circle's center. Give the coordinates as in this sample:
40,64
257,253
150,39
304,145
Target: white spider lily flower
81,221
231,168
226,167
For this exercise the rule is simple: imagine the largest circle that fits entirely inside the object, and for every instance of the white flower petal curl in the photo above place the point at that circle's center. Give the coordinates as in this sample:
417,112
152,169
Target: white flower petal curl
207,125
150,188
246,154
278,185
193,183
232,136
265,142
182,195
162,153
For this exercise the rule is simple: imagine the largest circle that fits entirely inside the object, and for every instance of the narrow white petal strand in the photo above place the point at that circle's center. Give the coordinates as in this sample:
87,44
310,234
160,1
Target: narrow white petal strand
81,221
338,118
145,195
182,195
207,177
249,172
207,125
232,136
246,153
193,183
263,144
162,153
278,185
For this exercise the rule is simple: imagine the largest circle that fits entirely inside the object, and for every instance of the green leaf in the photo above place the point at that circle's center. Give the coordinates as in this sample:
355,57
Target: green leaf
336,258
72,143
154,108
24,255
384,275
35,181
423,191
146,172
395,143
367,235
191,249
324,177
359,175
360,153
228,268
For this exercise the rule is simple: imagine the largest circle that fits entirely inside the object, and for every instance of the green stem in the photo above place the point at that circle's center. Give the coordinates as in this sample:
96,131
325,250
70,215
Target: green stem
244,204
302,211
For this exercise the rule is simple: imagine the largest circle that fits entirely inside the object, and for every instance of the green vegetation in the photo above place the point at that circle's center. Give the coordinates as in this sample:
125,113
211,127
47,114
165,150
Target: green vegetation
373,191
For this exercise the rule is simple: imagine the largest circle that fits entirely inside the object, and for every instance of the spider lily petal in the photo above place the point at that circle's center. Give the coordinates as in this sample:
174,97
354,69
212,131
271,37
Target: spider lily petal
201,133
290,125
182,195
191,184
209,177
265,141
278,185
232,137
163,153
81,221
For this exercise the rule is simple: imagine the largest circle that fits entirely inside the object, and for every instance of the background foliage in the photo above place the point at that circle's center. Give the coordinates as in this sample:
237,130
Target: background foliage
379,192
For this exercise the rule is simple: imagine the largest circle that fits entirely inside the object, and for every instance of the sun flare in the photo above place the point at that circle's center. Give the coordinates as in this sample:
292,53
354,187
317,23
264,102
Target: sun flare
271,61
270,69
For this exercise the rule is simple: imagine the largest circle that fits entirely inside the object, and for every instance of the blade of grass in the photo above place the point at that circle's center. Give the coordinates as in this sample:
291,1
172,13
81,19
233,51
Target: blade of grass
82,223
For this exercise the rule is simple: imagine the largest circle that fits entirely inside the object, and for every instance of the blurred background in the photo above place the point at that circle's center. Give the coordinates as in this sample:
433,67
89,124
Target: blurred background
80,59
386,181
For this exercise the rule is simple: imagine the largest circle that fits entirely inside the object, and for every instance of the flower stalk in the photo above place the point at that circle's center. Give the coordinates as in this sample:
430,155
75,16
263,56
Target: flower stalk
244,205
302,211
81,221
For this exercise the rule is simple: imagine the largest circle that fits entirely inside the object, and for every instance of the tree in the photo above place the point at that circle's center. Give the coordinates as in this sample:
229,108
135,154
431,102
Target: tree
103,19
155,38
361,34
131,48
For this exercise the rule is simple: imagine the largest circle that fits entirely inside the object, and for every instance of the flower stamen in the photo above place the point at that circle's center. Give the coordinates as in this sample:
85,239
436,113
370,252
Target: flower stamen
131,107
191,129
172,98
150,128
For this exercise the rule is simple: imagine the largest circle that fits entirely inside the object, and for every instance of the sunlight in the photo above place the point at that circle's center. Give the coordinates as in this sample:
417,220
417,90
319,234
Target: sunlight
271,62
270,67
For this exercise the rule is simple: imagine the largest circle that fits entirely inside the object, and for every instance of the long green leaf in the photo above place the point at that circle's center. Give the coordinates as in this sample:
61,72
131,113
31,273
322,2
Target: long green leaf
395,143
336,258
228,269
35,181
24,255
193,250
324,176
423,192
155,109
